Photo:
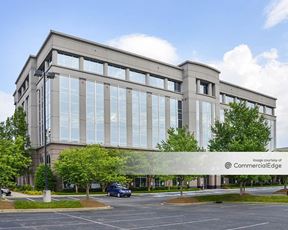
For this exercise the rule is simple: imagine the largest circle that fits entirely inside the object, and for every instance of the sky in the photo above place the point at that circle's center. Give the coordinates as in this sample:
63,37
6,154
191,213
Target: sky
247,40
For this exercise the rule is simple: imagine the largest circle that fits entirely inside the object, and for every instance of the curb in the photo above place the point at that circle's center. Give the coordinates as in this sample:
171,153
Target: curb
43,210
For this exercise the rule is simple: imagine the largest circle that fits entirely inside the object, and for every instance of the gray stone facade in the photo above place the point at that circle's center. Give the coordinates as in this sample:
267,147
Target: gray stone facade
202,96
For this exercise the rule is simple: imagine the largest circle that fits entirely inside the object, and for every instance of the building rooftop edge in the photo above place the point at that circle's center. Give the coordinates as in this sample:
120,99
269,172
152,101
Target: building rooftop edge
201,64
26,63
108,47
253,91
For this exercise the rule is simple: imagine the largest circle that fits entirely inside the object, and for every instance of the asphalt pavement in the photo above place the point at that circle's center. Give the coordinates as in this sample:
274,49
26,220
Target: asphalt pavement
149,212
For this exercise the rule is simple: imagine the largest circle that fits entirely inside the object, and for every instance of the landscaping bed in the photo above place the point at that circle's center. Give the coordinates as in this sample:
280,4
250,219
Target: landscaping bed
228,198
24,204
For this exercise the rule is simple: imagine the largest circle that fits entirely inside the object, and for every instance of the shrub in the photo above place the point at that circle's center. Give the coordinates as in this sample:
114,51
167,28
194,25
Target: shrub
40,178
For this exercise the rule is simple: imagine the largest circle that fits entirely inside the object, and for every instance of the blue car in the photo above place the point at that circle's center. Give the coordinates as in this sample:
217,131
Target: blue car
118,190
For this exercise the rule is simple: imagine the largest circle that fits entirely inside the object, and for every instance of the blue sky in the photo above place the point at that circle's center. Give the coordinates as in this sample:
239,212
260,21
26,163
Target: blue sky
216,32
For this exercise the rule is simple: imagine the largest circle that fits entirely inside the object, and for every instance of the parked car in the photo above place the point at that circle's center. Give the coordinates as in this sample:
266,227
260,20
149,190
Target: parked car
5,191
118,190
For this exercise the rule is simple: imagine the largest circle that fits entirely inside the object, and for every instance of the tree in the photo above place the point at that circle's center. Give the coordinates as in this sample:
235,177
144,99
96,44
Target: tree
180,140
243,130
40,178
15,128
83,166
11,161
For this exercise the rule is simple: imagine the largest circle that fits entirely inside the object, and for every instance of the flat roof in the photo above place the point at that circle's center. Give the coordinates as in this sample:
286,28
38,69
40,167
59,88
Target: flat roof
200,64
240,87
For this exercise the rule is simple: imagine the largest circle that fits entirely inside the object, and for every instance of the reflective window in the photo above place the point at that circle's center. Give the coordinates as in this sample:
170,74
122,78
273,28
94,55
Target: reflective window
250,105
116,72
118,129
93,67
137,77
48,109
68,61
174,86
221,97
139,119
175,113
261,108
222,115
158,119
203,88
156,82
271,144
269,110
179,114
69,109
237,100
94,112
204,119
229,99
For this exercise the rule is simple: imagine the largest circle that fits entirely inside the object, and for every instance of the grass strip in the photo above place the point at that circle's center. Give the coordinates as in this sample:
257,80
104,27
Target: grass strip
230,198
23,204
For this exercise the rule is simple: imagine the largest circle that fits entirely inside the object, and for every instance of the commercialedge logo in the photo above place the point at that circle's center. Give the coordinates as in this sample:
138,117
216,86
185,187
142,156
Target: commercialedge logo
267,165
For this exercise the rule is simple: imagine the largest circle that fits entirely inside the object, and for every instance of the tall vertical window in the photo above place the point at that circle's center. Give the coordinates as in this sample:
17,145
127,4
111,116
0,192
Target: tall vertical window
158,119
93,67
204,118
271,144
222,115
117,72
48,109
40,116
139,119
173,113
137,77
94,112
68,61
69,109
118,124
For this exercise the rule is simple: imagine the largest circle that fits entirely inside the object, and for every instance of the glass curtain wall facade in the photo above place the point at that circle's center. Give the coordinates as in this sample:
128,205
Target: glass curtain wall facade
69,109
118,123
139,119
48,109
94,112
158,119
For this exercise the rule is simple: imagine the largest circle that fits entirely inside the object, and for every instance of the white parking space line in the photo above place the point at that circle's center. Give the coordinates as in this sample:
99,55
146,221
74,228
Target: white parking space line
248,226
91,221
123,215
44,225
30,199
149,218
174,224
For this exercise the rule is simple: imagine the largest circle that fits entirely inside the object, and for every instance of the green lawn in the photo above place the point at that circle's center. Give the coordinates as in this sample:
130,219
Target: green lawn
21,204
244,198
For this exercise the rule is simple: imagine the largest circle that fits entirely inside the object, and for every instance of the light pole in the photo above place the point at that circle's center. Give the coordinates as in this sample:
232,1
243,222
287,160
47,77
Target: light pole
49,75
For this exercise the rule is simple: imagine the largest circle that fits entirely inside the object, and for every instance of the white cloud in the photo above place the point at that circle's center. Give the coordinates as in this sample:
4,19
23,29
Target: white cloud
276,12
6,105
263,73
148,46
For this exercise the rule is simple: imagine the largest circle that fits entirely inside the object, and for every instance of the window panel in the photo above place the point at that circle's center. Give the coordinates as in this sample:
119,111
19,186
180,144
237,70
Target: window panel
116,72
137,77
269,110
69,109
68,61
93,67
156,82
158,120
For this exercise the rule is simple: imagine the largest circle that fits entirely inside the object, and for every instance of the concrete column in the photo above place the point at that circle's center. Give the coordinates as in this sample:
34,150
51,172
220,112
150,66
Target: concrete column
81,63
149,120
107,114
147,79
127,74
197,86
210,91
211,181
46,66
82,109
55,113
167,114
129,116
165,83
54,57
105,70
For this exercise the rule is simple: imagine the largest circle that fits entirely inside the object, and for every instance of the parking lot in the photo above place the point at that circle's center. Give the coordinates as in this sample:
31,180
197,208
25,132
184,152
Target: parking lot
148,212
